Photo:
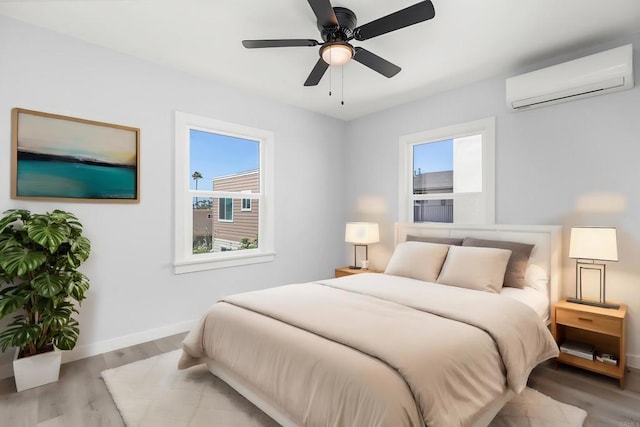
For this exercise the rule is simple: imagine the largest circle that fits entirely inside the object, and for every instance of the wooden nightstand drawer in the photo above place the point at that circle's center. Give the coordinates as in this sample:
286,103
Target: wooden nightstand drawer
589,322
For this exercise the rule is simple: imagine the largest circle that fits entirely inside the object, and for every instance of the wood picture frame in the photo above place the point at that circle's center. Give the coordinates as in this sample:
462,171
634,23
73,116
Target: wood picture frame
57,157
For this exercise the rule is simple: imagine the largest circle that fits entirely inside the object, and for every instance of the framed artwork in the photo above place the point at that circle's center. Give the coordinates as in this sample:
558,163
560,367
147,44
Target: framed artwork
77,160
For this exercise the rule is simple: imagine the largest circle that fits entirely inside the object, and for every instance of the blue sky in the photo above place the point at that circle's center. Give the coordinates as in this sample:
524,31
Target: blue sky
433,157
215,155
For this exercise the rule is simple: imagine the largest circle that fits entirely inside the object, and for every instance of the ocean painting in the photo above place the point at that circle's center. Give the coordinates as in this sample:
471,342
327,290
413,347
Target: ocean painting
75,159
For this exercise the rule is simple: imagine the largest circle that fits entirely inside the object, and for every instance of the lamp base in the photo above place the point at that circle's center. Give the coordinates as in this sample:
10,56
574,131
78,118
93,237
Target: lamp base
353,267
593,303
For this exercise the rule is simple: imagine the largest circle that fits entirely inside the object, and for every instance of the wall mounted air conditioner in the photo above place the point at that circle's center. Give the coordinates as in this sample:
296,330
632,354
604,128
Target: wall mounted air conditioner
604,72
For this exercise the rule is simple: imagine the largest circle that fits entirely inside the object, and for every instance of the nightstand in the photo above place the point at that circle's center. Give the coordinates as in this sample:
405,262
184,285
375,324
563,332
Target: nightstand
604,328
346,271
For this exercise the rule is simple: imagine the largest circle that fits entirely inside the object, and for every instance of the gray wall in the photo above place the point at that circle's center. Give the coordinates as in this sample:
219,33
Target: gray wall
569,164
134,294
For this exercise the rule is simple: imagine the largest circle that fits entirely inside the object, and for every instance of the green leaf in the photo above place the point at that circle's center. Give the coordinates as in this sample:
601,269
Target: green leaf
19,333
48,285
77,252
50,236
6,339
77,286
69,262
42,304
58,317
9,218
66,338
81,248
66,218
13,298
7,241
17,261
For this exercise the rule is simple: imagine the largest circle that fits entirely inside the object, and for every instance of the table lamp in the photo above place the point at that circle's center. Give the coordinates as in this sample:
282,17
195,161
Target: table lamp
588,245
361,234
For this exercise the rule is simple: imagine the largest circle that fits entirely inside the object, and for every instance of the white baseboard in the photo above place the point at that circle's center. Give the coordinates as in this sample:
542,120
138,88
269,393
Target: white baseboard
88,350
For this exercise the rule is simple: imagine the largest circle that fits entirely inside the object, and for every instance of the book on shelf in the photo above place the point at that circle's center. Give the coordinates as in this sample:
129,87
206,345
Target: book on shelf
607,359
578,349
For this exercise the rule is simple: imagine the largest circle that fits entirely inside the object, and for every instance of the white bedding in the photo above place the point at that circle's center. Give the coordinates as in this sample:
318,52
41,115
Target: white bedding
361,350
535,299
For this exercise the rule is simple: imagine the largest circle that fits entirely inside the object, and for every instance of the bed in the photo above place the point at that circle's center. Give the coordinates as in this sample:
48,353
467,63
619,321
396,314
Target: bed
390,349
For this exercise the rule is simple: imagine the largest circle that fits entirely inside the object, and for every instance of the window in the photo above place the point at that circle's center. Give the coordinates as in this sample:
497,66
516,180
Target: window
246,203
221,166
225,209
447,174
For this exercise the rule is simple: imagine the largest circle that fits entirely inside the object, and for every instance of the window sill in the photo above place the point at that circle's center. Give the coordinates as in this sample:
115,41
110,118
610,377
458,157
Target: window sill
191,266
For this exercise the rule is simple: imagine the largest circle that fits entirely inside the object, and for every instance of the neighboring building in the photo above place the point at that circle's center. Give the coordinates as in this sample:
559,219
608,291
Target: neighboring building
235,219
433,210
433,182
202,227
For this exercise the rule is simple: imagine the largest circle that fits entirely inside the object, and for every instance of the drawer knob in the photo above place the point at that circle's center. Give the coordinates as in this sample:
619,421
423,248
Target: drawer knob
584,319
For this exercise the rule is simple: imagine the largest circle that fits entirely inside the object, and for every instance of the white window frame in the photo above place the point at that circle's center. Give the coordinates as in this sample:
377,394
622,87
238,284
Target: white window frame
184,259
487,128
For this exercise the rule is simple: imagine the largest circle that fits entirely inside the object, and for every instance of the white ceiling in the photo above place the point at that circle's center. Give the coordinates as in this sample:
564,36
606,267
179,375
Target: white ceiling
467,41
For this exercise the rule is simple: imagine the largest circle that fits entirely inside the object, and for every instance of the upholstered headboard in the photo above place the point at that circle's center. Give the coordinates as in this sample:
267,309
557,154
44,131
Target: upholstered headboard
546,238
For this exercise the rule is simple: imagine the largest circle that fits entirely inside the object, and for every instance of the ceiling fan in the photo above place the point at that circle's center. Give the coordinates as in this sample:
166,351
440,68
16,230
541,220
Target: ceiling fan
337,27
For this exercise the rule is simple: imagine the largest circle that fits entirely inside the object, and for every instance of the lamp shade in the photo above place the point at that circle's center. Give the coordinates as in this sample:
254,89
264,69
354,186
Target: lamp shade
593,243
362,233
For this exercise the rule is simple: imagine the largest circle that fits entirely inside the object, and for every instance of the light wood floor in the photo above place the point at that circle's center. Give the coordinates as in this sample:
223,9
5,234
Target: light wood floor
601,397
80,398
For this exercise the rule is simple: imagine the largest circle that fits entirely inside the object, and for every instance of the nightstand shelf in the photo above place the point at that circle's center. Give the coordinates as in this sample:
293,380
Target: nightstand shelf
590,365
603,328
346,271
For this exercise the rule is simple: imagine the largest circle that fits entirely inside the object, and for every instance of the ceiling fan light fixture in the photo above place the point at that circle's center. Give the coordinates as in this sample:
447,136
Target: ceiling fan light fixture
338,26
336,53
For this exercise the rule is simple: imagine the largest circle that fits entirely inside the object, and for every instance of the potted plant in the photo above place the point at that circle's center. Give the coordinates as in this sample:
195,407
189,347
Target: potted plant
40,284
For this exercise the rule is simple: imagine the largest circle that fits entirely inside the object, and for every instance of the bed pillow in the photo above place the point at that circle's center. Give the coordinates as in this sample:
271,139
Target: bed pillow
520,252
441,240
476,268
417,260
537,278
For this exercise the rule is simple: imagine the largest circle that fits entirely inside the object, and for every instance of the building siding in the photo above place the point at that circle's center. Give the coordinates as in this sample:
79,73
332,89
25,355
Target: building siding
433,182
245,223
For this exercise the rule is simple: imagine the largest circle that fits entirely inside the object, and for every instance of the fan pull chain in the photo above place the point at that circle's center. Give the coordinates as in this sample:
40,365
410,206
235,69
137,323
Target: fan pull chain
330,73
342,88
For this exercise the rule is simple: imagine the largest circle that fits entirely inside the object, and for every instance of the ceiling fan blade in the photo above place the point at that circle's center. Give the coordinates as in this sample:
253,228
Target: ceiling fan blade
324,12
316,74
376,63
415,14
255,44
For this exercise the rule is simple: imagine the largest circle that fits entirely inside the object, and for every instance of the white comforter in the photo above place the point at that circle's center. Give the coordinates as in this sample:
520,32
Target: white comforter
374,349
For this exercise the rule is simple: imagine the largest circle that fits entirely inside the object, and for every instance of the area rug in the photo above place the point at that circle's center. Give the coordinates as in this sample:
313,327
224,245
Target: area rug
152,392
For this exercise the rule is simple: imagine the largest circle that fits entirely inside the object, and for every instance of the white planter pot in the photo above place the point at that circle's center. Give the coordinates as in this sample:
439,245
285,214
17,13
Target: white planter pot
36,370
